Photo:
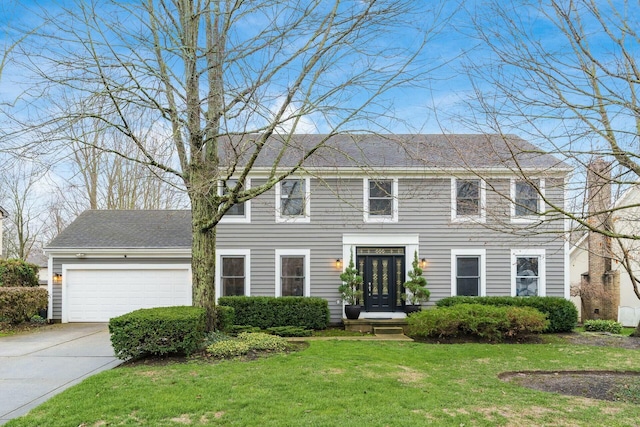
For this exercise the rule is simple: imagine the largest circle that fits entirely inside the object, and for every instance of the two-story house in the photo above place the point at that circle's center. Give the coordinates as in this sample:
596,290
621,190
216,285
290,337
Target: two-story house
468,205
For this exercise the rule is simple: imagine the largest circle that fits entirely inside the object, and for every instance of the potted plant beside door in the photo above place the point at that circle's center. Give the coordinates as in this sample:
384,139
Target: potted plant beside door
351,290
415,288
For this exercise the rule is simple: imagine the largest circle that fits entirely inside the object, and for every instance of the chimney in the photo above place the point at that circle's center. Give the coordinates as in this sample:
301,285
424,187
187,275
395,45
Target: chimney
600,285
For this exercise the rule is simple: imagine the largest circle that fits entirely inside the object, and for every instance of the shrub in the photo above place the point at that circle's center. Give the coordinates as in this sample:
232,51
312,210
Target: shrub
488,322
290,331
20,304
245,343
267,312
225,318
158,331
610,326
561,313
16,273
238,329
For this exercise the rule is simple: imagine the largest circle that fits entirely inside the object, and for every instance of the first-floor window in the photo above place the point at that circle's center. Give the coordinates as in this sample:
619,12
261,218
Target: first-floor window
233,275
292,276
528,272
468,272
527,275
468,275
292,272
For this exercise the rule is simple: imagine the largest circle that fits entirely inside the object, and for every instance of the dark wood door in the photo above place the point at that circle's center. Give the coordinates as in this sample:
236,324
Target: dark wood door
383,280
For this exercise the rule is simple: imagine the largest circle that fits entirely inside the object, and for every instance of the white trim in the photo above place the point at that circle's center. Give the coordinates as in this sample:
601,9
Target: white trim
482,218
67,267
541,205
306,253
394,201
567,244
542,268
306,217
246,253
236,219
482,254
50,287
119,253
410,242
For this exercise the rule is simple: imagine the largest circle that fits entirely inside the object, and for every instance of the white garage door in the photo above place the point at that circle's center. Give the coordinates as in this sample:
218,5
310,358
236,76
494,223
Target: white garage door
96,293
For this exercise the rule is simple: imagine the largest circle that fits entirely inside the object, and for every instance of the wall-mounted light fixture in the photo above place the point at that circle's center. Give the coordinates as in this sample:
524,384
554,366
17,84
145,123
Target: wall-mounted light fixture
57,279
80,255
423,263
339,263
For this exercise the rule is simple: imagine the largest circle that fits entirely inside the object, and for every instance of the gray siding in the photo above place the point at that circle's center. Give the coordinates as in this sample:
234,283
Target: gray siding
424,209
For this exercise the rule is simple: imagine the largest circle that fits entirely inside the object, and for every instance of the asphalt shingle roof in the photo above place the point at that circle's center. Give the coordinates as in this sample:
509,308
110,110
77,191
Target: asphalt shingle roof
459,151
107,229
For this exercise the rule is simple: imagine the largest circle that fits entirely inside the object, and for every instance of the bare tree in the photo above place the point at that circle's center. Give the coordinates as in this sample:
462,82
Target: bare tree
565,74
22,192
217,80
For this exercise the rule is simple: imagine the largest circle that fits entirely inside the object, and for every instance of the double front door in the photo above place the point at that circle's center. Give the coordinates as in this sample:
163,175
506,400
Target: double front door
383,272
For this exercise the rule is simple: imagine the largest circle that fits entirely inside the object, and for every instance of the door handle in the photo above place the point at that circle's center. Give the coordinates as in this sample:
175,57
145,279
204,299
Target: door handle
370,288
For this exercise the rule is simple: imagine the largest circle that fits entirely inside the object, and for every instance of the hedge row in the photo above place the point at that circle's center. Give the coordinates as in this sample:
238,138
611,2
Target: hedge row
158,331
561,313
16,272
269,312
492,323
19,304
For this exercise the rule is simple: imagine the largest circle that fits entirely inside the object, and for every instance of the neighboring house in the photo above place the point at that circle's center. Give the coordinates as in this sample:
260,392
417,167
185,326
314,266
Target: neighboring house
3,214
366,195
37,257
624,221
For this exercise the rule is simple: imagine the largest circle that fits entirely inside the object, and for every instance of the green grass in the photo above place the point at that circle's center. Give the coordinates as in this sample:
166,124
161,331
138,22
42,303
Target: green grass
625,331
346,383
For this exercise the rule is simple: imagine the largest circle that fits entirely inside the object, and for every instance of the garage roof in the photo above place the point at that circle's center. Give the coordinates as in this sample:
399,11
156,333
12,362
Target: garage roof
111,229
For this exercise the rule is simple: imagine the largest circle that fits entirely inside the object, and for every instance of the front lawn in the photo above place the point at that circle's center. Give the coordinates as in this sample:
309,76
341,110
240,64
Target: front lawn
346,383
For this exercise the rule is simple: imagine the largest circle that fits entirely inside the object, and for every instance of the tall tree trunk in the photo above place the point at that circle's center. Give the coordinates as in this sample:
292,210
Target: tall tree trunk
203,255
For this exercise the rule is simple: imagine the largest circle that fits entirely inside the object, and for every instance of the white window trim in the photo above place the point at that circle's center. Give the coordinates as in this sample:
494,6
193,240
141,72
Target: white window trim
246,253
306,253
541,205
542,268
394,204
306,218
482,253
236,219
482,218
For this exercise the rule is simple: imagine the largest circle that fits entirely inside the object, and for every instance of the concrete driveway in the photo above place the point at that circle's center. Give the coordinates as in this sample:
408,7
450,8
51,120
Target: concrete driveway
37,365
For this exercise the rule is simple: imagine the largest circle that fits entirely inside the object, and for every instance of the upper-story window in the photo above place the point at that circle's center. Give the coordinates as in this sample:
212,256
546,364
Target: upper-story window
292,200
381,200
239,212
468,199
526,196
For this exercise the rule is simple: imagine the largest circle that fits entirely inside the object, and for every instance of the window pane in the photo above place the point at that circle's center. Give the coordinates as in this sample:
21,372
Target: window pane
380,207
292,207
468,197
233,276
238,208
467,286
292,188
232,287
292,287
292,275
468,266
526,199
527,277
380,188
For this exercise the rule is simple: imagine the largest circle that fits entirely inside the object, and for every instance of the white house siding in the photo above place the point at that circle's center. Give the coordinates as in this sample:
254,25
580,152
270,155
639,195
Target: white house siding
424,209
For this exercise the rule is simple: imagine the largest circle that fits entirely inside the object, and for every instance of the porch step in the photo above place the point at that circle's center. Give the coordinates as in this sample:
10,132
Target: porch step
388,330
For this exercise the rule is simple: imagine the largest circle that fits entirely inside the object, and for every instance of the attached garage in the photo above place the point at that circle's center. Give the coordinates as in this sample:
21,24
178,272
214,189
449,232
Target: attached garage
96,293
107,263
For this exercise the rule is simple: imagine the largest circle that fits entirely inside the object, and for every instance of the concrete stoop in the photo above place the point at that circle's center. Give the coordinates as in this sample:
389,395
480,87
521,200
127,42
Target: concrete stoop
388,330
